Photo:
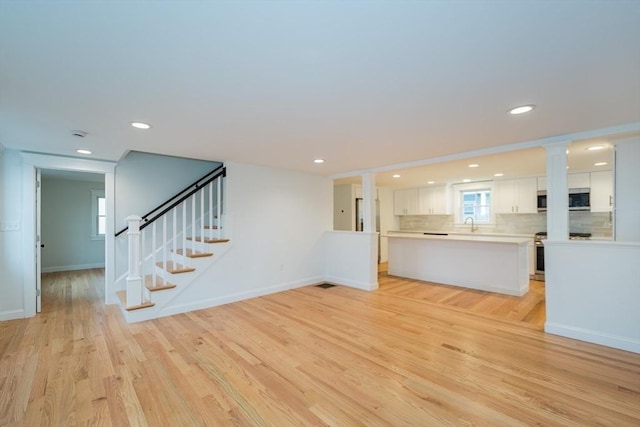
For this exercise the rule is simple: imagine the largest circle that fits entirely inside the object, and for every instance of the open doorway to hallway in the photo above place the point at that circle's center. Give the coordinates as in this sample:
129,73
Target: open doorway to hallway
72,225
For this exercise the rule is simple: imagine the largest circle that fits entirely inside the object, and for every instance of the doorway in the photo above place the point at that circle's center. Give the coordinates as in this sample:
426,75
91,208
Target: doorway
31,267
71,223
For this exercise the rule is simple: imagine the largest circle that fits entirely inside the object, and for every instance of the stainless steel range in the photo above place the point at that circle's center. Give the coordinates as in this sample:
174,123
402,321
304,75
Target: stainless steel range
539,239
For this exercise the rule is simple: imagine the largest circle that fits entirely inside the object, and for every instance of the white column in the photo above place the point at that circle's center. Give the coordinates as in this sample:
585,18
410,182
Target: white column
369,202
557,192
134,281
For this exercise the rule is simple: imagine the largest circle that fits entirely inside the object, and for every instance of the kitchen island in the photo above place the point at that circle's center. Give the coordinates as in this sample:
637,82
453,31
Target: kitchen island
490,263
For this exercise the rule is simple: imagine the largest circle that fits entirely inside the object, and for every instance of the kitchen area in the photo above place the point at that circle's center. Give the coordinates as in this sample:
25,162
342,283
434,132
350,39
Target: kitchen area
479,208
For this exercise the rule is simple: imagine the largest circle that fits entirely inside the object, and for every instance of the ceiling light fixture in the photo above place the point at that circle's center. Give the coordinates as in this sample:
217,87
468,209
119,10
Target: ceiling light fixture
83,151
466,180
474,165
595,147
396,176
431,182
318,161
600,164
521,109
498,174
140,125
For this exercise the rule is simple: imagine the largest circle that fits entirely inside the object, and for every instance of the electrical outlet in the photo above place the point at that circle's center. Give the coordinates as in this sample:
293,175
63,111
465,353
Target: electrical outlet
9,226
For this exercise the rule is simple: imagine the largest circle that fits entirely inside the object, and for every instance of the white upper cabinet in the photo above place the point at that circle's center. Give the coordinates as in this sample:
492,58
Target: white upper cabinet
405,202
433,201
601,191
515,196
578,180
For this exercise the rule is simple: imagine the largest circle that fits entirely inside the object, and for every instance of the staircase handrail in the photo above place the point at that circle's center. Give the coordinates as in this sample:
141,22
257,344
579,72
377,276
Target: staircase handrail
174,201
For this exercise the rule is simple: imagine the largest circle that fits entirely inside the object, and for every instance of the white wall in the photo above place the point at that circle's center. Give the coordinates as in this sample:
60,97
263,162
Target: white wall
351,259
11,280
67,225
627,191
593,292
144,180
276,220
388,221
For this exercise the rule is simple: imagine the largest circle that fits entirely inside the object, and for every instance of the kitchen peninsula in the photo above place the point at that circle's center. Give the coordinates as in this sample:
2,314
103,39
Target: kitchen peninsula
485,262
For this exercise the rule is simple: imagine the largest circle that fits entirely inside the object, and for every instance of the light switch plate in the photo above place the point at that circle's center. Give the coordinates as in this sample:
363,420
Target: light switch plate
9,226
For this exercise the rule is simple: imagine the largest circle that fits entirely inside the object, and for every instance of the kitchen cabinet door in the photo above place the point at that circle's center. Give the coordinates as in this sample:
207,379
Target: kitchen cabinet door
405,202
601,191
433,201
578,180
516,196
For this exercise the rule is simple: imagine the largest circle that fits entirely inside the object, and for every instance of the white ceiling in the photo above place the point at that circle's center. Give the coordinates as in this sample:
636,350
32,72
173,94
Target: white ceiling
362,84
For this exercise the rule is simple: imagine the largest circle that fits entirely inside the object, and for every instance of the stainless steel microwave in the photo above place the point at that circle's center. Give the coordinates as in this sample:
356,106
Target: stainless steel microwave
579,200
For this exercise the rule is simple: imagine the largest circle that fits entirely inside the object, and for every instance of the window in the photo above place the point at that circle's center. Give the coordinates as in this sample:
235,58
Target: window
477,205
98,214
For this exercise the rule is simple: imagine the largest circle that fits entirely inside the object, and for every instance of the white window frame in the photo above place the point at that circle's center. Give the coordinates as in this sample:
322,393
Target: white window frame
459,189
95,195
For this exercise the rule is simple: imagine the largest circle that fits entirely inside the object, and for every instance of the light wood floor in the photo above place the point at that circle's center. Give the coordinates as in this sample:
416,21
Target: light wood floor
530,308
304,357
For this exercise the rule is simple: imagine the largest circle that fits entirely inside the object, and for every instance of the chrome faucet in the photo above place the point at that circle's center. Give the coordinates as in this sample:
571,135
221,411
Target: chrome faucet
473,227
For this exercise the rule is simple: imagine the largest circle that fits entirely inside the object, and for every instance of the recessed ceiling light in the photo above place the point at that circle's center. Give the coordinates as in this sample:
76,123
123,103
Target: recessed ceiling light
498,174
396,176
140,125
83,151
595,147
431,182
474,165
466,180
521,109
318,161
600,164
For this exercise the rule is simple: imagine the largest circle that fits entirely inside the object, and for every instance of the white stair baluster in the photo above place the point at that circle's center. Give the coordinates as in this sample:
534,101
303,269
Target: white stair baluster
201,192
164,242
193,218
175,236
184,230
219,207
142,254
153,255
210,233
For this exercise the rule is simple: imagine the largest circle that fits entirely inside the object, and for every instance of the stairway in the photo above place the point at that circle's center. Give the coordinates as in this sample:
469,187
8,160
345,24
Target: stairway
169,249
167,280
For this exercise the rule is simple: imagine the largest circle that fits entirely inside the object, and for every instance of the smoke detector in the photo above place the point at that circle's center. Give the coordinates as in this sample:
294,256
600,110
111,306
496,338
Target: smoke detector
79,133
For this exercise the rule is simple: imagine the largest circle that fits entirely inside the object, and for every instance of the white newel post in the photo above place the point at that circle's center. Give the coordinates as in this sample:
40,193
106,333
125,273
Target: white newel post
134,281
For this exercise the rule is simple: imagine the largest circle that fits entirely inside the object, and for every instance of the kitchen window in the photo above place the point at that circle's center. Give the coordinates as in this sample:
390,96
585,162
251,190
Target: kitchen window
477,205
98,215
473,200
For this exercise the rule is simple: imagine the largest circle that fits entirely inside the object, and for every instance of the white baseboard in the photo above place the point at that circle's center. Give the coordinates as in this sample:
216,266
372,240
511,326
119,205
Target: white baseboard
213,302
352,283
595,337
72,267
11,315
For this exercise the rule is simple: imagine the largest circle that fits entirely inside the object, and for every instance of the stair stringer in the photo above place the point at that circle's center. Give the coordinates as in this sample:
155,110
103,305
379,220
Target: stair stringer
182,280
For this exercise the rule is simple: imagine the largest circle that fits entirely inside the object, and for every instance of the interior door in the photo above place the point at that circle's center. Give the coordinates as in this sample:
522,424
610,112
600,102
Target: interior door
39,245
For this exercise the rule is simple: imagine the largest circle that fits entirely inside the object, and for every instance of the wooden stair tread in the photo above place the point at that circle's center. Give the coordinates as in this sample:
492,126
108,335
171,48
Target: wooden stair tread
159,285
193,254
122,296
175,268
207,240
211,227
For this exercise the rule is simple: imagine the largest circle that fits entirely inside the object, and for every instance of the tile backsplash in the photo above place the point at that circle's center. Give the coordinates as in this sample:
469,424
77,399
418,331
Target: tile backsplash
579,222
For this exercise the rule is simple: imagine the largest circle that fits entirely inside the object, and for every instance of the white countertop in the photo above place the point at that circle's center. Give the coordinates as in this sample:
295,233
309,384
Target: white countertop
486,238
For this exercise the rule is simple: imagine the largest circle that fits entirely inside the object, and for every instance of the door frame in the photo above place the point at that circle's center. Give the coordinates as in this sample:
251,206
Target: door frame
31,163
